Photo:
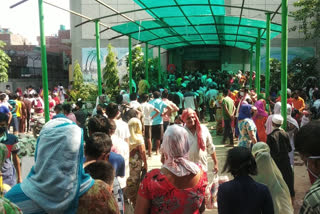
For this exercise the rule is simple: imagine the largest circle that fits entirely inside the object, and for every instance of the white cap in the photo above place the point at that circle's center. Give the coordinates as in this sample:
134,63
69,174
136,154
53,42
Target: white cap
277,119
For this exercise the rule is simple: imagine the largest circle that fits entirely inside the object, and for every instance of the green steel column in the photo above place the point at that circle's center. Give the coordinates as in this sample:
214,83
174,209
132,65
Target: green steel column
147,63
159,66
258,63
267,82
284,61
130,65
44,63
98,57
251,65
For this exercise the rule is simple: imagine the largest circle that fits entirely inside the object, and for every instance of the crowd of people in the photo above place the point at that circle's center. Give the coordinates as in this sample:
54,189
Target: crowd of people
97,162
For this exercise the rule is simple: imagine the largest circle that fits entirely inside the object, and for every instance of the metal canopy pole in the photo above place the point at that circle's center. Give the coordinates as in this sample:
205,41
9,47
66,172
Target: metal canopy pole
258,63
98,57
44,63
130,65
147,63
251,65
284,61
267,82
159,66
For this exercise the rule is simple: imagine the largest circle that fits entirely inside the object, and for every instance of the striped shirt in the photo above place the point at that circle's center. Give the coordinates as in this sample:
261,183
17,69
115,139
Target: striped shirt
311,202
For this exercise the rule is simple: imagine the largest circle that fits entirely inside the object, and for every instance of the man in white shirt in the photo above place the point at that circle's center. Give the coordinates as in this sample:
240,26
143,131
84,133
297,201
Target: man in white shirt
147,110
133,101
189,100
316,98
119,146
122,130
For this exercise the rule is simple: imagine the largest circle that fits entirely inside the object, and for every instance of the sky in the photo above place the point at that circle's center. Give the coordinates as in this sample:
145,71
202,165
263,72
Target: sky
24,19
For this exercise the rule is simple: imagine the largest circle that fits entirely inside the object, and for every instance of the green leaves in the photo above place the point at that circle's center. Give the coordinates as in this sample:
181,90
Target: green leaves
4,63
298,71
308,17
110,74
138,64
77,76
85,91
27,144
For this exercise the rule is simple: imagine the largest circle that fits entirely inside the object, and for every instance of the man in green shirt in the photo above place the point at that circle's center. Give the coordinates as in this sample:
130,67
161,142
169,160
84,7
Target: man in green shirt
307,144
228,110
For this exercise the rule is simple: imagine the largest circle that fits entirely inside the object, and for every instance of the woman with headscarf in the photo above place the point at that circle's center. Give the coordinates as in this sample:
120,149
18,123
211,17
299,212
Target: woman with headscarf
292,129
19,92
243,194
200,140
270,175
57,180
260,120
179,186
136,159
276,110
6,206
247,128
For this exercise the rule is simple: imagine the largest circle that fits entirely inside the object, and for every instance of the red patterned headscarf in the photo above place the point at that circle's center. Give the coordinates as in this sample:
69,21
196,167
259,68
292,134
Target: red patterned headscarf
187,113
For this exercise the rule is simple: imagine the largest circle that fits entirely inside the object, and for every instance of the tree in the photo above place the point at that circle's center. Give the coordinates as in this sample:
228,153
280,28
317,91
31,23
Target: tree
4,63
77,76
81,90
138,64
110,74
299,70
308,16
275,74
153,71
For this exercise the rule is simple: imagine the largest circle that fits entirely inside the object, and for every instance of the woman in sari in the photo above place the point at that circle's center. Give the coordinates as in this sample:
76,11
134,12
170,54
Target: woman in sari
247,128
57,181
179,186
136,159
260,120
270,175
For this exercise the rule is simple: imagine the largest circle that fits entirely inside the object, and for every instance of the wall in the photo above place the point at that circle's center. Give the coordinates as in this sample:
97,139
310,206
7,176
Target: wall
234,59
36,83
230,59
83,37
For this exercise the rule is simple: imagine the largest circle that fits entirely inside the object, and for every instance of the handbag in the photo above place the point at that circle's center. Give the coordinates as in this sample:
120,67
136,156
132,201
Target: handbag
212,192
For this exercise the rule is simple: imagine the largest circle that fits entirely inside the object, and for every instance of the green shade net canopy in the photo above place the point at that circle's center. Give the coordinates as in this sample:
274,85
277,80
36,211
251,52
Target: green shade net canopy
180,23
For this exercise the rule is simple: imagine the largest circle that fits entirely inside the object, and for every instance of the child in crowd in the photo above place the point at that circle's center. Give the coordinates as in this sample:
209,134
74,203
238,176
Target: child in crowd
101,170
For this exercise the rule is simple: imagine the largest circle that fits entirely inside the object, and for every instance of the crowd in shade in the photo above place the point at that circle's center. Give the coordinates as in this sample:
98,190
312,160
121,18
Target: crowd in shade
97,161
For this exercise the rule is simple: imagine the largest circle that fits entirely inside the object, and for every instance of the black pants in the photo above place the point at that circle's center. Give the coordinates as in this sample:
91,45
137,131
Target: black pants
212,112
165,125
227,132
28,121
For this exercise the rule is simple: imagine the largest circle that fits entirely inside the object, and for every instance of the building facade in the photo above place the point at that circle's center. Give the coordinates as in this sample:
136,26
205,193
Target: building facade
196,57
25,66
